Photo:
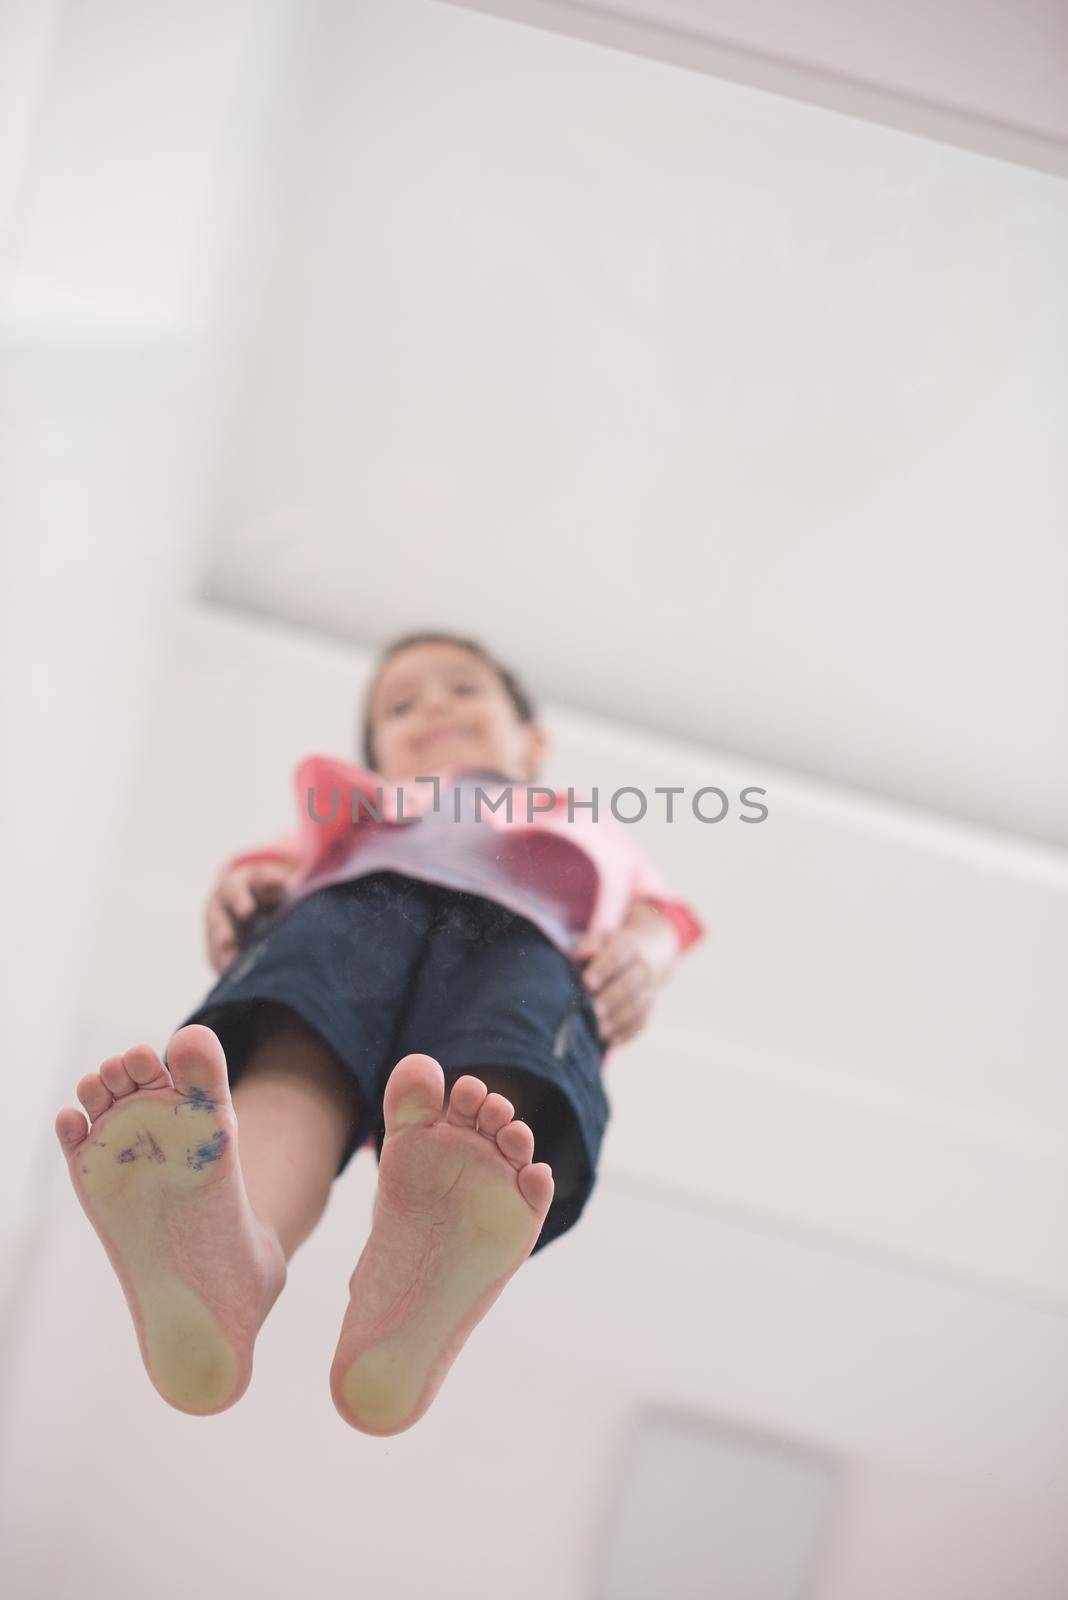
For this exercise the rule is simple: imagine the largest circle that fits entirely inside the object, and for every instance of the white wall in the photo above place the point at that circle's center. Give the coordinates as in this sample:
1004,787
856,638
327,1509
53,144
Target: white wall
123,195
778,394
985,74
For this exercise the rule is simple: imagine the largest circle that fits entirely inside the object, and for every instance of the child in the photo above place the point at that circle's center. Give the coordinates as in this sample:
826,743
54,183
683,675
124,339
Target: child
408,976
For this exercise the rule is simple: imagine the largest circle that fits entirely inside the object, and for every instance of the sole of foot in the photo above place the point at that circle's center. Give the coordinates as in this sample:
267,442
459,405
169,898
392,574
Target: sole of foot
459,1208
157,1174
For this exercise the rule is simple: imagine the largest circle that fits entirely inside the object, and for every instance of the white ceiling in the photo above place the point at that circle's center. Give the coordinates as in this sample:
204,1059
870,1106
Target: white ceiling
715,413
991,75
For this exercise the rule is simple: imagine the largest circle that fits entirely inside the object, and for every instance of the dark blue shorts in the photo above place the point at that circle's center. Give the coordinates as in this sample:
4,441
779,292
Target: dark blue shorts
386,965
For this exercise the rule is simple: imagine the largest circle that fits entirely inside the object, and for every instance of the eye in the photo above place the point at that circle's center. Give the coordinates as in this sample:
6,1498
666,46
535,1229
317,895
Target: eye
398,707
466,688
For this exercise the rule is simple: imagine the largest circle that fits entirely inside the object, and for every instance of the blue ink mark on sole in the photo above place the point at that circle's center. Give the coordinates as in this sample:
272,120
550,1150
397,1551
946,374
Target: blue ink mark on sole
150,1148
211,1150
199,1099
144,1145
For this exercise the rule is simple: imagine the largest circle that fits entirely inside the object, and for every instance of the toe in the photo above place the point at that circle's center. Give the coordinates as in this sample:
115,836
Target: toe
197,1063
516,1141
146,1069
414,1094
465,1101
537,1187
116,1078
495,1114
71,1128
94,1094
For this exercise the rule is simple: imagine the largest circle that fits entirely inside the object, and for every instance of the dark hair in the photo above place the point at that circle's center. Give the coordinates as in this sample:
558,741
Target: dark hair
524,705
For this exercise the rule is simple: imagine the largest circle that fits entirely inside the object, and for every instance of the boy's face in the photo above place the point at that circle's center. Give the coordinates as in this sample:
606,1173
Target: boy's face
438,705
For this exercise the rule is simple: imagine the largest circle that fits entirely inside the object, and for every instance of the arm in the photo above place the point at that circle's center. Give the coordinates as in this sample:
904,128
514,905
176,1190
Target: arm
254,879
648,889
657,935
626,968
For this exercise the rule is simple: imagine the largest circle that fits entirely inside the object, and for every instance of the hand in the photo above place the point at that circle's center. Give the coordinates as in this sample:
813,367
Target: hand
237,896
624,970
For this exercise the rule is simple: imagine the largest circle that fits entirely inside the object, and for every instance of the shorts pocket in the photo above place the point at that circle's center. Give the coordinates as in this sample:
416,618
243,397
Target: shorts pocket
580,1051
562,1042
580,1005
242,964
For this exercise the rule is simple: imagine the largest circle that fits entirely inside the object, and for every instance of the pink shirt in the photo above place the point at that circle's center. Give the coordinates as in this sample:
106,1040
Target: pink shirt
567,875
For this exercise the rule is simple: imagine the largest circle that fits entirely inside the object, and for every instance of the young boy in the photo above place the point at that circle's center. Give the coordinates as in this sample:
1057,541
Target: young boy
367,934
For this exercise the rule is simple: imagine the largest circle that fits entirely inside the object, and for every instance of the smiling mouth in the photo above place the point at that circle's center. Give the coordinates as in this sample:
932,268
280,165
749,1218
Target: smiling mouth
442,733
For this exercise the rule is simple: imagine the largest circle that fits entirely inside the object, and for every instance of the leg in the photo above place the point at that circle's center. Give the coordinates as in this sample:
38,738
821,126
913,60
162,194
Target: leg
199,1238
157,1173
296,1107
460,1205
495,998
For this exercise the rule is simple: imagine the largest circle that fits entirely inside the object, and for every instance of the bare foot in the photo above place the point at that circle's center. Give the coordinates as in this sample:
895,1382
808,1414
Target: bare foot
459,1208
157,1174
